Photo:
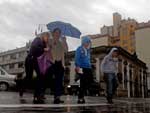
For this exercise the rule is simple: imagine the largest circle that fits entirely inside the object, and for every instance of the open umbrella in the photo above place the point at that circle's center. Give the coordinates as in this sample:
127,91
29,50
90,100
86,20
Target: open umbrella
66,29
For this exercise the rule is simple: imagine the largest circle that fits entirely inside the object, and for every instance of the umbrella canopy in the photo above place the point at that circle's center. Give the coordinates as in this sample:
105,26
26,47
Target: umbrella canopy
66,29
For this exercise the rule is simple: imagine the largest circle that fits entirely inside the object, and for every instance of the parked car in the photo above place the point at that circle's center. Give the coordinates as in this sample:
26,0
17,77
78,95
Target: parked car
6,80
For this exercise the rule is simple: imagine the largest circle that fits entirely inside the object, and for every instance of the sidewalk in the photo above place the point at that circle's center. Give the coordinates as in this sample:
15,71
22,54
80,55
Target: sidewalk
10,102
13,98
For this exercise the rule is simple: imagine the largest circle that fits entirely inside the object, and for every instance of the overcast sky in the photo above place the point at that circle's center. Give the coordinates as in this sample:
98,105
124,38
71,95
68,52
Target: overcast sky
20,18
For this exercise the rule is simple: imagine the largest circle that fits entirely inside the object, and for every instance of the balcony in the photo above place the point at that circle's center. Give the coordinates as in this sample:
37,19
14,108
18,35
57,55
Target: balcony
15,70
22,59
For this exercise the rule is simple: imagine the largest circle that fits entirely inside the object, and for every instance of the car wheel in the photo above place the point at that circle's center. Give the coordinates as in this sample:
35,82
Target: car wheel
4,86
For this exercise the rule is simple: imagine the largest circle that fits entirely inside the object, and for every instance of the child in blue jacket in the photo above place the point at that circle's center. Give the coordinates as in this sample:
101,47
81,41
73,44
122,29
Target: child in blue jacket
83,62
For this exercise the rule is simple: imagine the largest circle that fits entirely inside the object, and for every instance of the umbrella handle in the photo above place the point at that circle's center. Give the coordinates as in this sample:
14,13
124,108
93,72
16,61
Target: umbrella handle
63,38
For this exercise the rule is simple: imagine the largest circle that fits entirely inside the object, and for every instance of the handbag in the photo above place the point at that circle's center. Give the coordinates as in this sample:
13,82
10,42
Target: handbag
44,62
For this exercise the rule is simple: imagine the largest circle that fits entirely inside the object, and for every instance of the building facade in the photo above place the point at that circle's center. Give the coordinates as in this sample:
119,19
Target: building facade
99,40
142,35
13,60
104,40
142,43
127,35
121,33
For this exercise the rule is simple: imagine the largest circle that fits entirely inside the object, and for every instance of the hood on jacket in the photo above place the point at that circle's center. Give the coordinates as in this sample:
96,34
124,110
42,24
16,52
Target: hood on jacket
111,52
86,39
109,66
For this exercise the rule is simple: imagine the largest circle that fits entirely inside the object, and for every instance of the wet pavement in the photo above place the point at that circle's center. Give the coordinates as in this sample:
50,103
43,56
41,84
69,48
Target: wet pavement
11,103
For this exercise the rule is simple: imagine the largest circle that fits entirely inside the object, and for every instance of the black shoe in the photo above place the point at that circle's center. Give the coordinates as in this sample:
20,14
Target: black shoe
81,101
58,101
43,97
21,92
109,100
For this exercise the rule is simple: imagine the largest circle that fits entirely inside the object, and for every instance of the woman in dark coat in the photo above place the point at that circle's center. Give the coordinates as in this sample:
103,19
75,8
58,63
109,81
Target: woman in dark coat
38,47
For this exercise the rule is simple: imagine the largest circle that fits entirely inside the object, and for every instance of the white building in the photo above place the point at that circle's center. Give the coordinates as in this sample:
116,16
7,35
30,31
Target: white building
99,40
107,30
13,60
142,35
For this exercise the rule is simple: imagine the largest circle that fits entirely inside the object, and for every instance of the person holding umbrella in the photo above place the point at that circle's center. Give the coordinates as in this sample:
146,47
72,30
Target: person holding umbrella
83,67
58,47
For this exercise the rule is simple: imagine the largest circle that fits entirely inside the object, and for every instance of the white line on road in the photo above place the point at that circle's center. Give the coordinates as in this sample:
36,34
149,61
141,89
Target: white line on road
48,105
128,102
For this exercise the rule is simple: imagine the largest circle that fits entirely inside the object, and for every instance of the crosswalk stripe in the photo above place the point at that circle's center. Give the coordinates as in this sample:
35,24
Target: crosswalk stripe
48,105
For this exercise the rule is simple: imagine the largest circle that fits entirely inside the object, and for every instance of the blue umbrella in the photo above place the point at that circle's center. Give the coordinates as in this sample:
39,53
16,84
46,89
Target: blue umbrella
66,29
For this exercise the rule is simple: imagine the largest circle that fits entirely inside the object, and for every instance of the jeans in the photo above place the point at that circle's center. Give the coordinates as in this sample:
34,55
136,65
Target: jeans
111,83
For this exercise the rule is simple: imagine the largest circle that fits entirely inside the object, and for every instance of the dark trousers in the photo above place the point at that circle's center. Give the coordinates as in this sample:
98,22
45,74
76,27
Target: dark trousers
54,79
86,79
39,85
29,67
49,78
26,82
111,83
58,78
31,64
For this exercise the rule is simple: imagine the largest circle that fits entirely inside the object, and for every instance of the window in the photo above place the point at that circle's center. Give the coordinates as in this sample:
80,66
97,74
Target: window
13,56
132,33
11,66
124,42
17,55
125,47
20,65
2,72
125,77
21,54
1,59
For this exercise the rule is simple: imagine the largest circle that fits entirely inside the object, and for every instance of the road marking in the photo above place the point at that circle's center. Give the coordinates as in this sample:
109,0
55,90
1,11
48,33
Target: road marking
127,101
49,105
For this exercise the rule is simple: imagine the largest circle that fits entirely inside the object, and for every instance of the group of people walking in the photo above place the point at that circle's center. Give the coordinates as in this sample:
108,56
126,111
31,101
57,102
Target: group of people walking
46,58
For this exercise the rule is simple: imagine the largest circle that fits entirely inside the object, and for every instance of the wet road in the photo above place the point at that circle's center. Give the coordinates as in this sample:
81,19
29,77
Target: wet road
11,103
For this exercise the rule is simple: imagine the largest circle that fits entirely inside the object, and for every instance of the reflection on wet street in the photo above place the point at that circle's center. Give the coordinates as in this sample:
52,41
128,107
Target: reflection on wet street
116,108
10,103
